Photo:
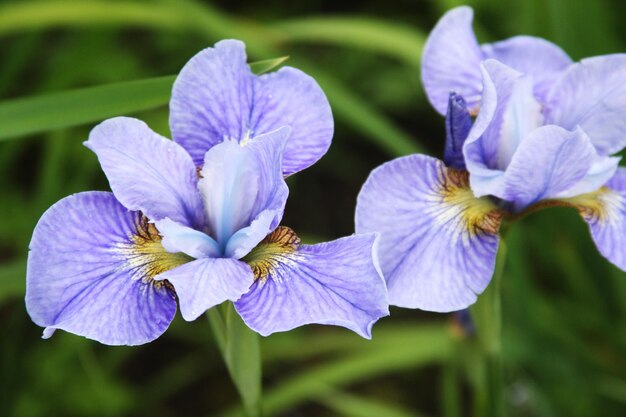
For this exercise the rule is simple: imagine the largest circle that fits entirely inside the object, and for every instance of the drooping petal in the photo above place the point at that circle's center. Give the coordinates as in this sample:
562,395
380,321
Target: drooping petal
207,282
337,283
509,113
438,242
182,239
451,61
90,272
537,57
217,97
592,95
147,172
239,183
549,161
458,125
605,212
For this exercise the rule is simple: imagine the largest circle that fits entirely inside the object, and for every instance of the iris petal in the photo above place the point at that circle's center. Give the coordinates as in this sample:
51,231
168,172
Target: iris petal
551,160
90,272
451,61
336,283
207,282
592,95
605,212
542,60
242,184
148,172
217,97
438,242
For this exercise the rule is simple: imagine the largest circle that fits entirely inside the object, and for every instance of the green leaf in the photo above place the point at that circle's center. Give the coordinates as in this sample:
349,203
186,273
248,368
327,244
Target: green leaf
415,347
241,352
261,67
351,405
31,115
374,35
13,279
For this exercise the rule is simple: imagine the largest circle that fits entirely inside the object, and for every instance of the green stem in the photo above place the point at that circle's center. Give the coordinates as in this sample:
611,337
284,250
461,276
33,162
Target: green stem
487,318
241,352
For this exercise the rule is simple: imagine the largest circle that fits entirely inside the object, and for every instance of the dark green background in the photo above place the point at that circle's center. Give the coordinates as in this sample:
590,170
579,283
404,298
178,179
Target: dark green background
564,305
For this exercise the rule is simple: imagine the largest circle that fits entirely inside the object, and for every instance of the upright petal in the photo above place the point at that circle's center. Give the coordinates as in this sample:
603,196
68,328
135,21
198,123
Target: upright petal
207,282
91,270
537,57
458,125
337,283
509,113
438,242
217,97
592,95
240,183
451,61
605,212
549,161
289,97
147,172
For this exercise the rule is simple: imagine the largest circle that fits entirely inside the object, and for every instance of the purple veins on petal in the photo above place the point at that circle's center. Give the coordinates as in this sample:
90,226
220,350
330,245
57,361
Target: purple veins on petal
148,172
438,242
91,270
217,97
335,283
604,210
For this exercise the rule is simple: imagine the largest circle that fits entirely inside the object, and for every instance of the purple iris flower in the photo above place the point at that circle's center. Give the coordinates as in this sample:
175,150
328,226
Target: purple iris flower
544,133
198,224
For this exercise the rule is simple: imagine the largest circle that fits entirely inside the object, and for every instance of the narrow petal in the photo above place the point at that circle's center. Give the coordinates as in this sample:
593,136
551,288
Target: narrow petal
90,272
592,95
605,212
510,114
549,161
458,125
536,57
438,242
147,172
217,97
451,60
182,239
205,283
337,283
242,181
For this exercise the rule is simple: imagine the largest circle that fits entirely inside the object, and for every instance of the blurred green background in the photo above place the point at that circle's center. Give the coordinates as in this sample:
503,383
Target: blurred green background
564,305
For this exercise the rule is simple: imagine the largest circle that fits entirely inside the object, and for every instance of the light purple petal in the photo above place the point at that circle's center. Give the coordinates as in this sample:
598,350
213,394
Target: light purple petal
178,238
536,57
217,97
602,169
207,282
438,242
451,61
90,270
592,95
549,161
336,283
239,183
509,113
605,212
148,172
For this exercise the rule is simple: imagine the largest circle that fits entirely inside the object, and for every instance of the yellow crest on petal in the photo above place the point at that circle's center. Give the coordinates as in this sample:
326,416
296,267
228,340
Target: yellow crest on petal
147,256
464,215
278,247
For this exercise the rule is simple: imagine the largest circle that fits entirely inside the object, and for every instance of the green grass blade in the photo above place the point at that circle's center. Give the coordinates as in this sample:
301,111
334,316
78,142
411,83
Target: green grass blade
351,405
373,35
